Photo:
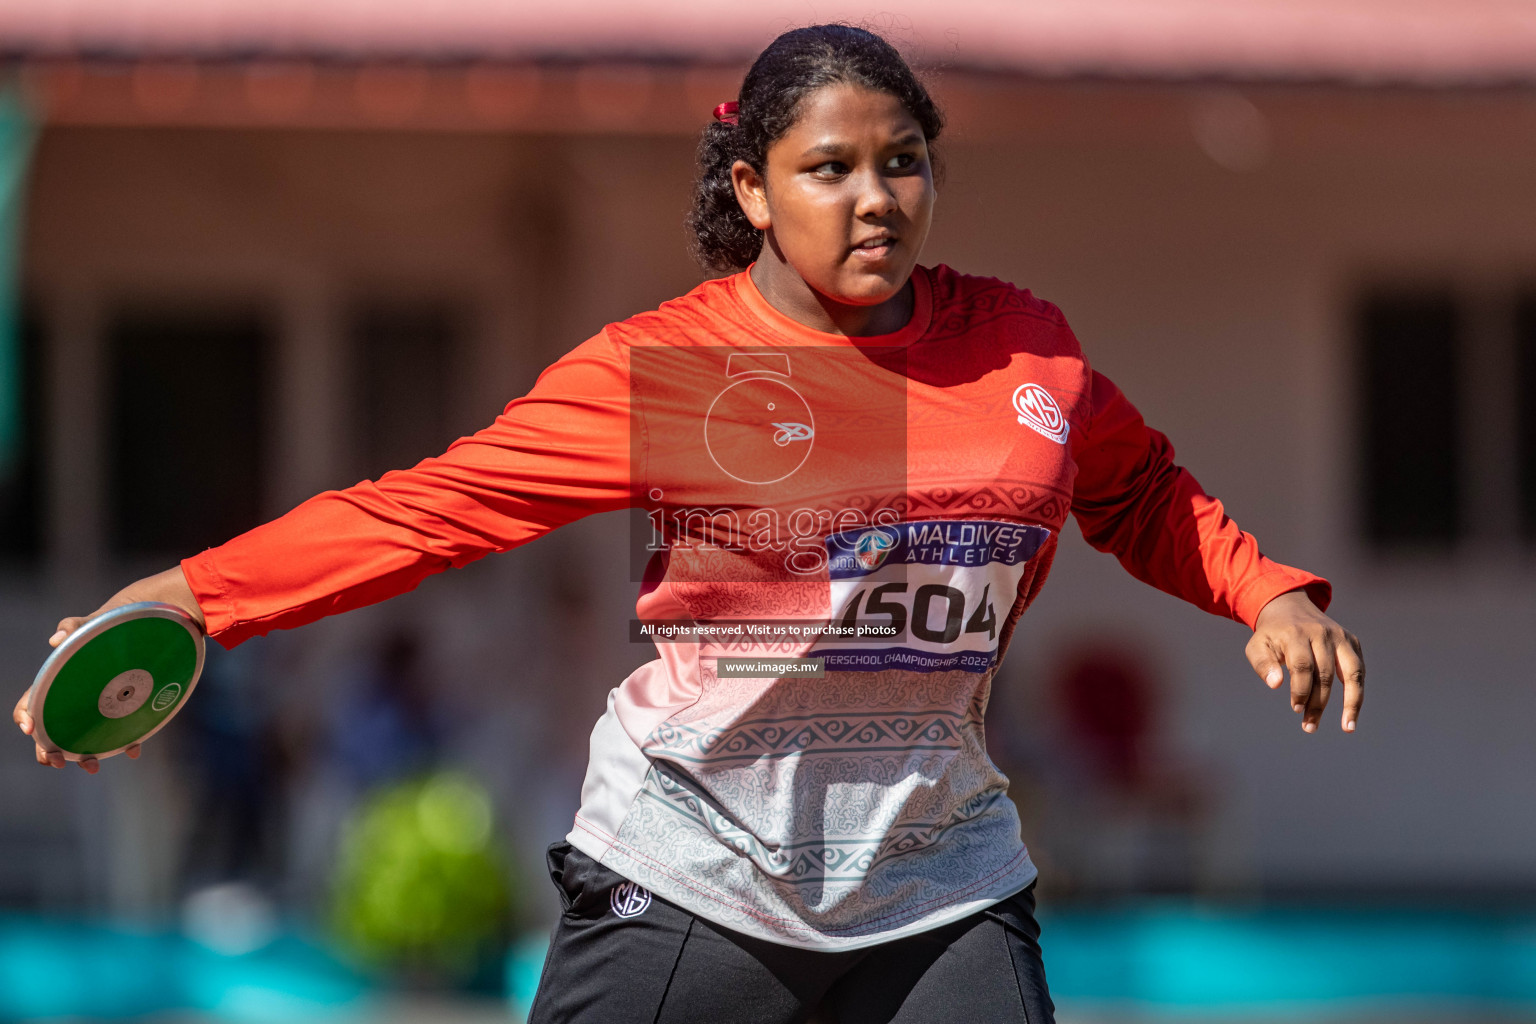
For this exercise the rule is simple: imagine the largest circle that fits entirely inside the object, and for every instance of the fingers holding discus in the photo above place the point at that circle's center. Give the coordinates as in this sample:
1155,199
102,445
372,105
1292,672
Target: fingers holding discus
112,681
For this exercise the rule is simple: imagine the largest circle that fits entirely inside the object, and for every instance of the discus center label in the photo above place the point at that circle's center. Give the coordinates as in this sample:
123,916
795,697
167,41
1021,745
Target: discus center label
126,693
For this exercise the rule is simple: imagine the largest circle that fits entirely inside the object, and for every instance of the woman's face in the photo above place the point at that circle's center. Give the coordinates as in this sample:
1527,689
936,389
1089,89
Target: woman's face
847,197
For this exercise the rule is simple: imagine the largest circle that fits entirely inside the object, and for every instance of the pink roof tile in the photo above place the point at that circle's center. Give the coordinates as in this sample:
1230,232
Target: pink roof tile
1428,41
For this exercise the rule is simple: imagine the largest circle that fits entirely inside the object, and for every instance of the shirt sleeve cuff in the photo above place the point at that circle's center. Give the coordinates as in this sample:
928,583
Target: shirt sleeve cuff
1279,581
212,594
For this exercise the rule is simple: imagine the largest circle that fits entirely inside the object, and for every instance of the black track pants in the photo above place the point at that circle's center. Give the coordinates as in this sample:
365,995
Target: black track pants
621,956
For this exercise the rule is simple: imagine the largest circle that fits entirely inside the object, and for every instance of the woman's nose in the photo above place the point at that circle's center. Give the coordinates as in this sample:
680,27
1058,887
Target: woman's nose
875,196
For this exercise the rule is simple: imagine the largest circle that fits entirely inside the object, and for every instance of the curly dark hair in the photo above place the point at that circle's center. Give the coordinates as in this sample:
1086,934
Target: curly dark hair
794,65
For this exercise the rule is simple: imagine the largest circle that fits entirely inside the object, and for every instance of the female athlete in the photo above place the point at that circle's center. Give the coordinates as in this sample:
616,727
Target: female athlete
856,470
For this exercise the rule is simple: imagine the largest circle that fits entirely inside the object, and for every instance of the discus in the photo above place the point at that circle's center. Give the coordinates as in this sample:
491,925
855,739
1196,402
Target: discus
116,680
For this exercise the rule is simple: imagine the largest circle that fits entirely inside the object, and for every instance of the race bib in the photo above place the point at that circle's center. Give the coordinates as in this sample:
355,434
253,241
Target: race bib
924,596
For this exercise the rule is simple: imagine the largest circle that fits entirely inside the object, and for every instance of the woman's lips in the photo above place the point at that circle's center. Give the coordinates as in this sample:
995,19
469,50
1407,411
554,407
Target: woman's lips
875,249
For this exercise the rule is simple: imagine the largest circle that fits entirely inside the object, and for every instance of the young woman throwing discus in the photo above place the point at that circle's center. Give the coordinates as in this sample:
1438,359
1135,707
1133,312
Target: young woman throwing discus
855,470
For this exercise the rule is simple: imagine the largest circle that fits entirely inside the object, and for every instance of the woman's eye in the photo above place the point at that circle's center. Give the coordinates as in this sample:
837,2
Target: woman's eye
900,162
830,169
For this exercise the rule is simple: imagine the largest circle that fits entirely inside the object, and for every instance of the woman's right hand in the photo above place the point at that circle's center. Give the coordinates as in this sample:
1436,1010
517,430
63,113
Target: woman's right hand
169,587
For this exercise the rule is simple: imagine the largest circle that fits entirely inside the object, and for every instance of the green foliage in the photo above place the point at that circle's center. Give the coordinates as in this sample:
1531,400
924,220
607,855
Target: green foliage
420,885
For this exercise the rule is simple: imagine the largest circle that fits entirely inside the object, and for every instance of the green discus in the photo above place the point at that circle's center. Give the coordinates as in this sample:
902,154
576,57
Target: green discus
116,680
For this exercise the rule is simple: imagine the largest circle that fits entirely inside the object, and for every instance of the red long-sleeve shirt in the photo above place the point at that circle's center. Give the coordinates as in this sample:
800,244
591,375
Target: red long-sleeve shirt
916,482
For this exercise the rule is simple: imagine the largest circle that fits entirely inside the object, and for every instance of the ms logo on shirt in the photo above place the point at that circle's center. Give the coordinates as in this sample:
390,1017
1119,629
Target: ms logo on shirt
1038,411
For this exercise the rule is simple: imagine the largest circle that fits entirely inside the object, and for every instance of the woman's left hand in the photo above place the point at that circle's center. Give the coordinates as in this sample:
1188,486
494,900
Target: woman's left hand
1292,632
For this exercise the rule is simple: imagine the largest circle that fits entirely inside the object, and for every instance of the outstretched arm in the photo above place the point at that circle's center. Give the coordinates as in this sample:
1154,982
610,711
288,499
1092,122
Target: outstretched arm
554,456
1132,500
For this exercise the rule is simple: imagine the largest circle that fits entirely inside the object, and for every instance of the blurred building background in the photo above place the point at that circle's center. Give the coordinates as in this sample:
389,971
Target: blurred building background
265,250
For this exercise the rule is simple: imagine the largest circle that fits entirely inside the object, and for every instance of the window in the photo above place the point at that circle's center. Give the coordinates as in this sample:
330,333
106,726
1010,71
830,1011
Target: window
1525,384
21,452
404,356
1412,424
186,421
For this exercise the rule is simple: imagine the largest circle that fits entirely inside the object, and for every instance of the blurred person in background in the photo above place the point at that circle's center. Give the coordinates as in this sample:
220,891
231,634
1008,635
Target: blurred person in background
380,725
384,726
238,763
751,849
1131,814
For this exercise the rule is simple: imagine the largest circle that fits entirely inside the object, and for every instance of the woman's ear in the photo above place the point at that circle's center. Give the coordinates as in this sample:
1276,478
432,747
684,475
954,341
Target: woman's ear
752,194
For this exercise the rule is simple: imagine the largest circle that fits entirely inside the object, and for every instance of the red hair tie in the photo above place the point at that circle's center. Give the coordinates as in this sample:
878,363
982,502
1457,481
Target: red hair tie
725,113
